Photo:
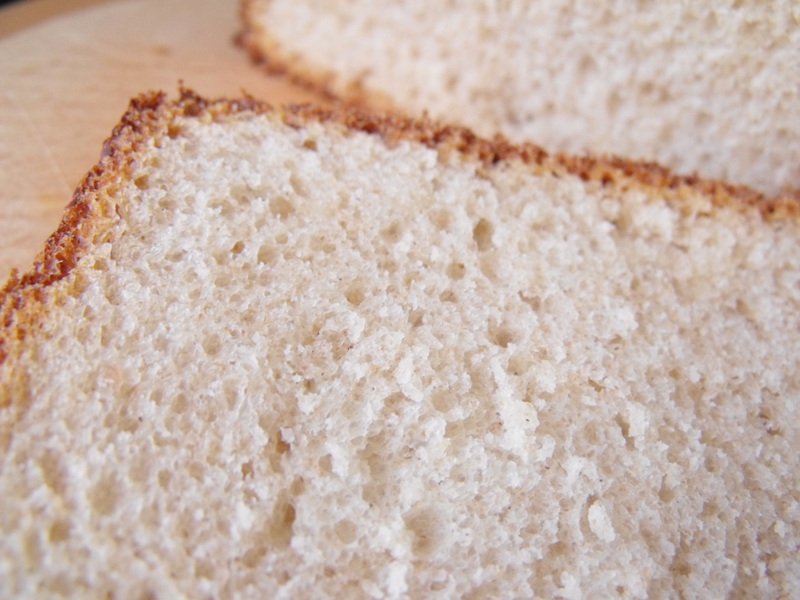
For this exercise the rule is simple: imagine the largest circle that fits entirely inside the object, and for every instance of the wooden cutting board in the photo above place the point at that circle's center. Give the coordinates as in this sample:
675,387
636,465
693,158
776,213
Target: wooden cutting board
66,79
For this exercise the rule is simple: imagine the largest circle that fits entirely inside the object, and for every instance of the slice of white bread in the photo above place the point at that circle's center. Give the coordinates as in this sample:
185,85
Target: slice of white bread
711,87
306,354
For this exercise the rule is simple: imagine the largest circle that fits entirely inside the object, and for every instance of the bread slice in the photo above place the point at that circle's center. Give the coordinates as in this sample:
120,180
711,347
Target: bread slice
707,87
306,354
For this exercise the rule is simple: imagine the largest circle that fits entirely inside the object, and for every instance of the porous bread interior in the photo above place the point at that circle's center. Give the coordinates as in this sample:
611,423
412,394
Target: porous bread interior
707,87
309,364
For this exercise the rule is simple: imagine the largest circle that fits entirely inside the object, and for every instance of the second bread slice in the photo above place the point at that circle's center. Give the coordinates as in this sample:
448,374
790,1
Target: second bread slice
706,87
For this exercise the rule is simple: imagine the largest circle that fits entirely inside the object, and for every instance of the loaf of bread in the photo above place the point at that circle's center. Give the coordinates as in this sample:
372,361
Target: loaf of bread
711,87
306,354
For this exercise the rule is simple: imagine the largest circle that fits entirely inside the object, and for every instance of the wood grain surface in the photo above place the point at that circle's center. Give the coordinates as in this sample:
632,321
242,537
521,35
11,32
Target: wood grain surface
67,72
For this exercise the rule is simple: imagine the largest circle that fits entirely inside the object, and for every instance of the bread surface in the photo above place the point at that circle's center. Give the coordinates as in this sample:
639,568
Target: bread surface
708,87
305,353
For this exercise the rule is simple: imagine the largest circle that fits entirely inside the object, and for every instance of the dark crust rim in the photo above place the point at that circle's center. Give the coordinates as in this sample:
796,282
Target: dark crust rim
23,299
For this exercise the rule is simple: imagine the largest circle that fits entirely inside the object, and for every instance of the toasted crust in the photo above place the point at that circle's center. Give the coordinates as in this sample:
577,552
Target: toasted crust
23,300
274,63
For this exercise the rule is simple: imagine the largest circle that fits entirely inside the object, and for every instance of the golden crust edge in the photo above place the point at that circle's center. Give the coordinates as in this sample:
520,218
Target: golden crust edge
252,39
24,299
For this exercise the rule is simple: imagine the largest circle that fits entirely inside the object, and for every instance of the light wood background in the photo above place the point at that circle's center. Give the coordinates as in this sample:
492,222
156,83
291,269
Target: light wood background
67,71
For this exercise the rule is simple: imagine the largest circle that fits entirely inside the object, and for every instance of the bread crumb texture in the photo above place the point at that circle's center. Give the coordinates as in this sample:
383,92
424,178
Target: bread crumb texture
707,87
299,358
